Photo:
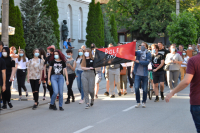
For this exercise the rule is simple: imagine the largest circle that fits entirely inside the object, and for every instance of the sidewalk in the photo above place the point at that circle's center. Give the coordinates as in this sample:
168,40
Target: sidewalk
27,102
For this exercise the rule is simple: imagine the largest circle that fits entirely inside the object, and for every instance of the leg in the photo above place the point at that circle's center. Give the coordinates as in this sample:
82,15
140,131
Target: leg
33,86
69,86
195,111
85,83
137,85
182,73
78,79
175,76
169,79
49,88
91,84
107,85
19,82
44,88
54,83
111,83
144,86
23,78
82,92
129,76
37,86
60,89
8,85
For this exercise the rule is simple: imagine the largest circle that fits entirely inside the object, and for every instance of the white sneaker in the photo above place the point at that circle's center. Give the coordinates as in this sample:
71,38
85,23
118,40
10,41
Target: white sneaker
14,90
132,90
81,101
137,106
143,105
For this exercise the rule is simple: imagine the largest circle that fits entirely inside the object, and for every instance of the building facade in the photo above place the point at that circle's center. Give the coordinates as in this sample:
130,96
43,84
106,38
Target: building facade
75,12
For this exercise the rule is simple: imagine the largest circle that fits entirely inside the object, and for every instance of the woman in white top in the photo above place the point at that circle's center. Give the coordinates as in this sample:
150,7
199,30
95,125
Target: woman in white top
184,64
21,64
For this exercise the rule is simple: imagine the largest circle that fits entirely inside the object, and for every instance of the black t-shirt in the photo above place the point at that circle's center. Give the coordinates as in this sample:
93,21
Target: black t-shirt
164,52
57,67
156,61
89,63
2,67
9,65
47,63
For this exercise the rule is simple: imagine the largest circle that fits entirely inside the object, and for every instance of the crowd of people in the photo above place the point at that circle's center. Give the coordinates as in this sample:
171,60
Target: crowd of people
52,69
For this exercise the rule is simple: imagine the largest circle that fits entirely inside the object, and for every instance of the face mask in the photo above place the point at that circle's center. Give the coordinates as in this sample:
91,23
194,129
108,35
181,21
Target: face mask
36,54
80,53
142,48
92,46
4,54
21,55
68,56
87,54
56,56
190,48
173,49
153,51
184,53
15,51
48,54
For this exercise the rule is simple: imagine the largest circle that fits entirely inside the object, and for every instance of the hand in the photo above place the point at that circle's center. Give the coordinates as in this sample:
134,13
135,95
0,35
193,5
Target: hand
69,65
19,49
137,61
40,81
135,40
11,79
45,76
168,97
28,80
154,70
67,82
49,82
3,88
42,56
91,68
174,61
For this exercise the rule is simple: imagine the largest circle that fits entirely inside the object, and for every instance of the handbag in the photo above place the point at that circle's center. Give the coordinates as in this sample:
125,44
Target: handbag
123,71
166,67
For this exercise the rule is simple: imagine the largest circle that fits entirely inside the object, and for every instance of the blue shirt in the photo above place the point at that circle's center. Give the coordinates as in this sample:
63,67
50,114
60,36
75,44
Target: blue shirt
69,44
0,54
65,44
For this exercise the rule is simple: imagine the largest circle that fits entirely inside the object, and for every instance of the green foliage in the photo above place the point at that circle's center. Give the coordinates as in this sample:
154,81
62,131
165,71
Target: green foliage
113,30
107,27
95,26
12,21
52,11
183,29
38,27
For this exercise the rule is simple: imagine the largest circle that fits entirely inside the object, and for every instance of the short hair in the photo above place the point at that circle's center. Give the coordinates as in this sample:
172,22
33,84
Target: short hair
1,43
69,39
160,42
139,45
155,45
51,49
145,44
69,51
181,45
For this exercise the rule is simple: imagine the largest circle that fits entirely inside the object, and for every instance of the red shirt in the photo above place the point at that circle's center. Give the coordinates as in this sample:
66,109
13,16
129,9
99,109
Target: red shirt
193,67
180,52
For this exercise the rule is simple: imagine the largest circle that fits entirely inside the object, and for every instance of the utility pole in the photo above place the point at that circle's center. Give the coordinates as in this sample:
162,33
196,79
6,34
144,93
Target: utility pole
5,21
177,7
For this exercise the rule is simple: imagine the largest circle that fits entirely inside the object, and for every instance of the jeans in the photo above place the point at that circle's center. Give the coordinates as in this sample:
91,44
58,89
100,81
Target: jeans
195,111
137,82
79,82
57,82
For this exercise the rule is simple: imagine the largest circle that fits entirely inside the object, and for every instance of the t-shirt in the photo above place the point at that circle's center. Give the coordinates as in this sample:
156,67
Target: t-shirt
65,44
164,52
35,67
179,52
47,63
78,64
21,63
193,67
156,61
69,44
9,65
185,60
89,63
2,67
57,67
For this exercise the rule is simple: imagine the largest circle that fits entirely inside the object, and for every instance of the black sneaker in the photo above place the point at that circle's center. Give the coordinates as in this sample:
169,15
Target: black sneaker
87,106
26,93
106,93
67,102
162,96
156,100
113,96
4,106
34,107
10,105
73,99
61,109
52,107
119,93
92,102
37,103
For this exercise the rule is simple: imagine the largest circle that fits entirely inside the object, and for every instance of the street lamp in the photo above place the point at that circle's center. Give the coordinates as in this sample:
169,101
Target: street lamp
177,7
5,21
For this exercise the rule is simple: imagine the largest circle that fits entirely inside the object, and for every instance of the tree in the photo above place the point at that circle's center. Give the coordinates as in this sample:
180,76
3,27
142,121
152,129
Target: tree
182,29
107,27
12,21
52,11
113,30
34,20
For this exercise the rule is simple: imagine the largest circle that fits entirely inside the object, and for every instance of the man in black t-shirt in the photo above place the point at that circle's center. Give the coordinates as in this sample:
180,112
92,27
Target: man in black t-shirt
158,72
2,77
161,50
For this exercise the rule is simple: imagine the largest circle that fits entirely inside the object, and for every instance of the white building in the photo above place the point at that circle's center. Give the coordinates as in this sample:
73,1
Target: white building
75,12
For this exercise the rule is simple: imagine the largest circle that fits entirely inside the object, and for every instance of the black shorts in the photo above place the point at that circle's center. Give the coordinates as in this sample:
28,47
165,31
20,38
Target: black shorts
158,77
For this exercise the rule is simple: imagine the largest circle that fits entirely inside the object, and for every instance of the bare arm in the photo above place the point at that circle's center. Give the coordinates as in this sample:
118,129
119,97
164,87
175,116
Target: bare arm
14,69
49,73
4,80
74,66
86,68
66,74
45,76
161,65
14,56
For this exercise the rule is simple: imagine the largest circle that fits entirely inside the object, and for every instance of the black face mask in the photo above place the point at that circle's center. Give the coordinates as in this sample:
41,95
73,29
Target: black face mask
92,46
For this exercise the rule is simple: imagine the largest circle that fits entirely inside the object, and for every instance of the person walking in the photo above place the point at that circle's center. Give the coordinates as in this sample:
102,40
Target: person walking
184,64
34,75
10,72
158,71
2,77
57,69
174,60
143,58
71,66
21,64
106,72
79,72
88,77
130,77
191,78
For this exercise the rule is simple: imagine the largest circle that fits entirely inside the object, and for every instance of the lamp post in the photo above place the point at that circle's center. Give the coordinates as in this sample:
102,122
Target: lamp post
5,21
177,7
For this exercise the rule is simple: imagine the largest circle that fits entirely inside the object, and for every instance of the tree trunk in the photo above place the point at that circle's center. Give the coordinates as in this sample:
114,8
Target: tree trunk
5,22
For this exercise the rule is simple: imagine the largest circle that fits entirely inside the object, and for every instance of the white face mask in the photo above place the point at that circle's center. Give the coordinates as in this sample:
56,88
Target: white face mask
190,48
4,54
87,54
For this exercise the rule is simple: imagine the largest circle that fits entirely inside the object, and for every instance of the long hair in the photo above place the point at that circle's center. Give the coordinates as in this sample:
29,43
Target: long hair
23,57
171,46
185,55
42,52
83,63
79,55
61,55
12,49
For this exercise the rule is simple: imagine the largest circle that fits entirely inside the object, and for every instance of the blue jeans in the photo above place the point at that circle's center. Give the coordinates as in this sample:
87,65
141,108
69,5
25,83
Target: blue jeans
79,82
195,111
137,82
57,82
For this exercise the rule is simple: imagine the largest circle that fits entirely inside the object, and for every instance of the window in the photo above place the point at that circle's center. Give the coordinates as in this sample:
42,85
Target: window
121,38
69,21
80,22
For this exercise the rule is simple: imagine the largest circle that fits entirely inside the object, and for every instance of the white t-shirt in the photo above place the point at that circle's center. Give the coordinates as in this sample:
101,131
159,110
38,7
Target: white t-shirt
185,60
21,64
15,55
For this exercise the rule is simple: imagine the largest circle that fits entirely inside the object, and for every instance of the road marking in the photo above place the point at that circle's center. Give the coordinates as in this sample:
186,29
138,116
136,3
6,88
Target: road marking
167,92
103,120
128,108
83,129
